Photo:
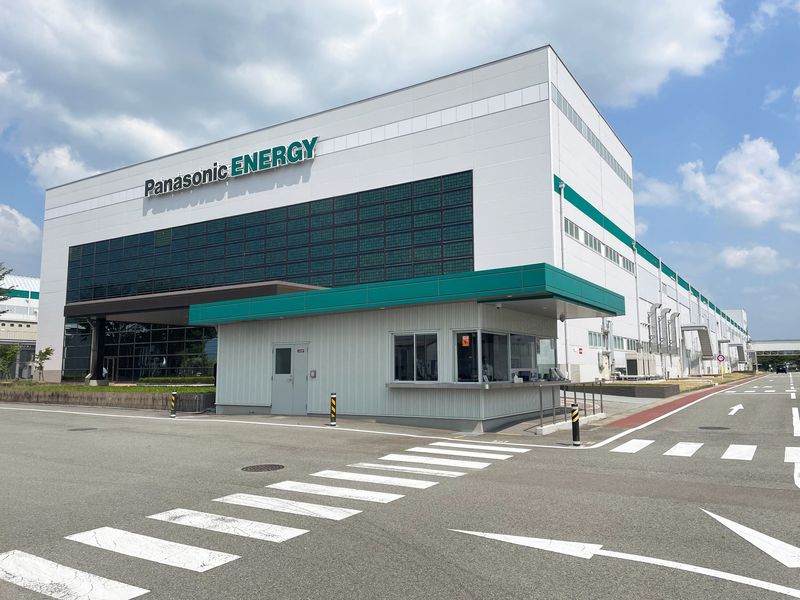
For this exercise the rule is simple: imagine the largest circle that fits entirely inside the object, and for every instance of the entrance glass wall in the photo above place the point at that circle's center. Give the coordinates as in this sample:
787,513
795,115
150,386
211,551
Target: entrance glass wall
136,350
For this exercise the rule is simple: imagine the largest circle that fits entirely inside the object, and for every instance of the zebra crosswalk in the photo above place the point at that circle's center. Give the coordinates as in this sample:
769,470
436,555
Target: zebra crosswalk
55,580
742,452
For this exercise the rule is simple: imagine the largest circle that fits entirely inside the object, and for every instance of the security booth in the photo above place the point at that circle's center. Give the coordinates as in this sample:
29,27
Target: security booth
465,351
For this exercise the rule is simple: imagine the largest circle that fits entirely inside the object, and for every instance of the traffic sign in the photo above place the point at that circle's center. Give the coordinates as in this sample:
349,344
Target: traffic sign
720,358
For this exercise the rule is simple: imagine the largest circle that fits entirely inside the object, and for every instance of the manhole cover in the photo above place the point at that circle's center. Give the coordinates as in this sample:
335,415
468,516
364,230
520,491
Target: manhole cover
260,468
713,428
83,429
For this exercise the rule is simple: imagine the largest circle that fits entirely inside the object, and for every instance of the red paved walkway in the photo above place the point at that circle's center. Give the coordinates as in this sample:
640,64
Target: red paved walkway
662,409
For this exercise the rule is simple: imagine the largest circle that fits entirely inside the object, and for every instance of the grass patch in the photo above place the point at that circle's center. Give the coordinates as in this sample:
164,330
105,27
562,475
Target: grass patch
113,389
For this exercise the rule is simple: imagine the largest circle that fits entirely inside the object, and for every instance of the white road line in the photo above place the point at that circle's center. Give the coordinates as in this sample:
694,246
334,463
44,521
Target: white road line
57,581
792,455
683,449
402,469
769,391
481,447
632,446
154,549
442,462
307,509
739,452
587,551
749,391
795,421
465,453
793,396
418,484
338,492
231,525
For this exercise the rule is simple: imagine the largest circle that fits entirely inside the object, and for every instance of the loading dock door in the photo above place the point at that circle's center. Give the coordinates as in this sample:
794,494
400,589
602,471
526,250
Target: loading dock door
290,379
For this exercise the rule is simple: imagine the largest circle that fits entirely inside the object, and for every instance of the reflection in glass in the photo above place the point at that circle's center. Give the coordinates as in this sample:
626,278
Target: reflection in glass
494,352
467,355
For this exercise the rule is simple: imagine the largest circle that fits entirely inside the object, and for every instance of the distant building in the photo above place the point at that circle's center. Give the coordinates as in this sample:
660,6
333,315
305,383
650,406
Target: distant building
19,320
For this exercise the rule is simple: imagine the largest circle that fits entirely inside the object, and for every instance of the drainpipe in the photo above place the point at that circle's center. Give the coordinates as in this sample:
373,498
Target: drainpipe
561,228
678,338
638,316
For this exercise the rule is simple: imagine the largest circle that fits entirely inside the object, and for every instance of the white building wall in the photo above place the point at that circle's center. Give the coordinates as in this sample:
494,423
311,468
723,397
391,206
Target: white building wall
580,166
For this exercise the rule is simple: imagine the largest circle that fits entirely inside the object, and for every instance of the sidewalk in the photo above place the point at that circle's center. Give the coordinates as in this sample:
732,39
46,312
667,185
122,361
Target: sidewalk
621,413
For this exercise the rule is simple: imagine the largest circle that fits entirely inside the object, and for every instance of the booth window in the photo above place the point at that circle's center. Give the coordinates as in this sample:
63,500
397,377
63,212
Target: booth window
503,356
523,355
494,351
467,355
545,356
416,357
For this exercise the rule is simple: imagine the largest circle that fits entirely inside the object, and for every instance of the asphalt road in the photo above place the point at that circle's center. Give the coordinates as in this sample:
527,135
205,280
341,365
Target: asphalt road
71,470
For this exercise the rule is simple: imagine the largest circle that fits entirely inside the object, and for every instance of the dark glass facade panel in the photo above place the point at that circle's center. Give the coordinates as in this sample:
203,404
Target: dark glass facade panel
135,350
412,229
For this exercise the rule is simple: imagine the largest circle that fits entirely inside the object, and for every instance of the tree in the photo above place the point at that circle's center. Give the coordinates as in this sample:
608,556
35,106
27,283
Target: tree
40,358
4,291
8,358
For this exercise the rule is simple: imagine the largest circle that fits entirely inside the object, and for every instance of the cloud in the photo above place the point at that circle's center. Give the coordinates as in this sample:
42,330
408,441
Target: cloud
750,184
767,13
122,82
20,241
650,191
796,95
55,166
641,228
772,95
762,260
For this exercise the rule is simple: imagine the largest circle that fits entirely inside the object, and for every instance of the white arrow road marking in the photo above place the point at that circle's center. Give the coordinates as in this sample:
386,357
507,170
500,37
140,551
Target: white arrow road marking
576,549
795,421
57,581
786,554
588,550
735,409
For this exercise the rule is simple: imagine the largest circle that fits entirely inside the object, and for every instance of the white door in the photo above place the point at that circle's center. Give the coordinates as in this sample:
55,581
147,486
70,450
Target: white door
290,379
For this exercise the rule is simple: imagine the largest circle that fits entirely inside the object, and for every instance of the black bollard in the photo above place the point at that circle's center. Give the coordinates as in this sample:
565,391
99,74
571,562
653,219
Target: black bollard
173,399
333,410
576,425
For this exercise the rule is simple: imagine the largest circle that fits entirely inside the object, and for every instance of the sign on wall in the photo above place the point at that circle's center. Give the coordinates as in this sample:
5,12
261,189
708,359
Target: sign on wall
245,164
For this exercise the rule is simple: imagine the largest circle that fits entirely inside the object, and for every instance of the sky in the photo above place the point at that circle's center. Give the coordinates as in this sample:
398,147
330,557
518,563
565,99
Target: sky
705,94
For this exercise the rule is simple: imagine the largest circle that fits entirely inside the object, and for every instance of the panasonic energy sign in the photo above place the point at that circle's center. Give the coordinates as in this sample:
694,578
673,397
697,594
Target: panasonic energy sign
245,164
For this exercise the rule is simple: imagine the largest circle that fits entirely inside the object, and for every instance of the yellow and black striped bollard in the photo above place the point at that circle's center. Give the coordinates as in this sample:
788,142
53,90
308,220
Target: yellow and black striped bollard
173,400
576,425
333,410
